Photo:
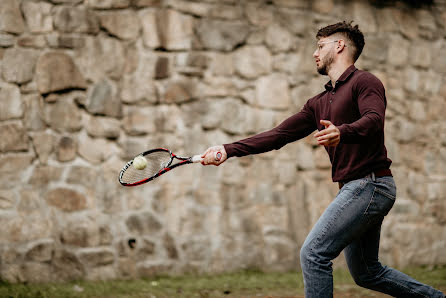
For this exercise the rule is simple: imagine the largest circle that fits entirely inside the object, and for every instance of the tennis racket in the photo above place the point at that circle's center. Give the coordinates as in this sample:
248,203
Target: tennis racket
157,162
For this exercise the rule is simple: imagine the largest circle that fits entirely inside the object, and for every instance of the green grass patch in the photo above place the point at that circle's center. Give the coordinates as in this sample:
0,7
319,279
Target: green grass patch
240,284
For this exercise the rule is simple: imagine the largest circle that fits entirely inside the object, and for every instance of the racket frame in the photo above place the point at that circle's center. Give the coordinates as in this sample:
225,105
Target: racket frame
169,166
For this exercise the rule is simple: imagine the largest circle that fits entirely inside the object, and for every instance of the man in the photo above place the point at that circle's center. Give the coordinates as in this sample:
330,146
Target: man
349,116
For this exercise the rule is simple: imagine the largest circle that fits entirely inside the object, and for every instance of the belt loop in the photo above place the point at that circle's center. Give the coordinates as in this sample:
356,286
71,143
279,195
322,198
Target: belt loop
373,177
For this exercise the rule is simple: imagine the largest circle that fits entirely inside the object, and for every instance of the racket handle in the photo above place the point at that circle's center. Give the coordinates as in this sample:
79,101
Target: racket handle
197,158
217,156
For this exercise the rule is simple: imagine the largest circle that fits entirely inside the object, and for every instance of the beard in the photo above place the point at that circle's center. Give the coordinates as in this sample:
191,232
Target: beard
325,64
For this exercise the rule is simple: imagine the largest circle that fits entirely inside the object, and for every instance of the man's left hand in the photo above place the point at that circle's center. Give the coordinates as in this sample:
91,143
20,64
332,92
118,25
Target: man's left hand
330,136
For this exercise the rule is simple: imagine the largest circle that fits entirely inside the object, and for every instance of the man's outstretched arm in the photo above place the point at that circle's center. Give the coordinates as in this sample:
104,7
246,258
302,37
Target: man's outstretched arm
294,128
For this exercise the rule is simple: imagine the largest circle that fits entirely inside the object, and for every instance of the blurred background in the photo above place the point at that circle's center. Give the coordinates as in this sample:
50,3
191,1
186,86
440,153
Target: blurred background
86,85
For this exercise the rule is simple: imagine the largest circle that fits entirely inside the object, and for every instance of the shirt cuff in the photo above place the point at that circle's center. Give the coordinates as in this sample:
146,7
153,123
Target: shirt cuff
229,148
343,131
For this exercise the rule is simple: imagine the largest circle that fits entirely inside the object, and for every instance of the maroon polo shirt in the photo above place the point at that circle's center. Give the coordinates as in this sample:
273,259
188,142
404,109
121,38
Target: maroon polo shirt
356,105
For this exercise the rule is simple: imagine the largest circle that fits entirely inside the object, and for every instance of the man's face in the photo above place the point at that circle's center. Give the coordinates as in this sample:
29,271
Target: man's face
324,54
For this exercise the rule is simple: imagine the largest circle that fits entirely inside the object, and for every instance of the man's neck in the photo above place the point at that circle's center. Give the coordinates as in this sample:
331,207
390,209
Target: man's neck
336,71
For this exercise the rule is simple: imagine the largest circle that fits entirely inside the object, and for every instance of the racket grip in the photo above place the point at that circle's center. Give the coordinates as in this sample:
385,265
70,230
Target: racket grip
217,156
197,158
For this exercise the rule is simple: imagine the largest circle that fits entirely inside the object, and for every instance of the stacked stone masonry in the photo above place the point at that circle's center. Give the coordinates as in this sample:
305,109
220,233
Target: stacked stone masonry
85,85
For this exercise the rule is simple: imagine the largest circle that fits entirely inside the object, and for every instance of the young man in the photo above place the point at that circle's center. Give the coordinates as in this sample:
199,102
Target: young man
349,116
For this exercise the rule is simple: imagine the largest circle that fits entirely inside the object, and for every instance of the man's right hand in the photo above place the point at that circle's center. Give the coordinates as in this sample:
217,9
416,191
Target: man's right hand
209,156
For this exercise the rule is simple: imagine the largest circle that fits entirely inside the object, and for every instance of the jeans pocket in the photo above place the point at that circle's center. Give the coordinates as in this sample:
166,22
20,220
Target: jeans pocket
385,193
380,204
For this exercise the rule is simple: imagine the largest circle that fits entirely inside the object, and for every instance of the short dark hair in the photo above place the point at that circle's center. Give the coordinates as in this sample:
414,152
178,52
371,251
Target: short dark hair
352,33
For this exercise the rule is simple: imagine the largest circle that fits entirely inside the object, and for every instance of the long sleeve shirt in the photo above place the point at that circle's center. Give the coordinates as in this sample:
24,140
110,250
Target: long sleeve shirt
355,105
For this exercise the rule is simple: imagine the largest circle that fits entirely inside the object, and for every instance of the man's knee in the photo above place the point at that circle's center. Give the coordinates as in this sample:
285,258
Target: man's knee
311,259
305,253
367,277
360,280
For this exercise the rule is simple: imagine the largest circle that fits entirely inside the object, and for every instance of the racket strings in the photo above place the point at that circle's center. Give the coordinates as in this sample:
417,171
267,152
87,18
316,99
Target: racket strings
156,161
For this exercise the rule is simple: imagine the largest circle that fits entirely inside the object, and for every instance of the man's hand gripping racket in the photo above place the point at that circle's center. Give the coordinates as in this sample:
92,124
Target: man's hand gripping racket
208,157
153,163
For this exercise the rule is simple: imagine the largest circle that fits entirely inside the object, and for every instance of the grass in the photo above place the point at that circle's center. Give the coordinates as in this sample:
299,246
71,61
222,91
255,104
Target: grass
240,284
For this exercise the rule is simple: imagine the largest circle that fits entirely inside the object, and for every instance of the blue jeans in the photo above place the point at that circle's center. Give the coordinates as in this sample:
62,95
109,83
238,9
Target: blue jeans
352,222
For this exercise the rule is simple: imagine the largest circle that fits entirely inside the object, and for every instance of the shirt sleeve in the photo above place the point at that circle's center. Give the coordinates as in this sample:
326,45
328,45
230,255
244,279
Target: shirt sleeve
371,101
294,128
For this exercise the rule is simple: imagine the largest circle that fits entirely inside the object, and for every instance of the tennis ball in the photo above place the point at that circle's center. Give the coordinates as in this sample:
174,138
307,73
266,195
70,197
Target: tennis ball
139,162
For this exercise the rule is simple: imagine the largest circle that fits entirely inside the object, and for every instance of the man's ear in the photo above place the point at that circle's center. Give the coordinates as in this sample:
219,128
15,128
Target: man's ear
340,46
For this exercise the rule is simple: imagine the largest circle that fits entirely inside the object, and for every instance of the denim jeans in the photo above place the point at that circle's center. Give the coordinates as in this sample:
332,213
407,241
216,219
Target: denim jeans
352,222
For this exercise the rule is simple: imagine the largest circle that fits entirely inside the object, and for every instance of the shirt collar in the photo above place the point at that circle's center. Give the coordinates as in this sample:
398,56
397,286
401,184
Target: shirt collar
344,77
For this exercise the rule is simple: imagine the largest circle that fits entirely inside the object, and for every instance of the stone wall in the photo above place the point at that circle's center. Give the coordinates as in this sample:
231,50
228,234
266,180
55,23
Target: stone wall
87,84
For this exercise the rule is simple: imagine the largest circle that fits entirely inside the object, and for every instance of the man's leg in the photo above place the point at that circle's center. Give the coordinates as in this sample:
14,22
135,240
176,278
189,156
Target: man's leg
362,258
342,222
